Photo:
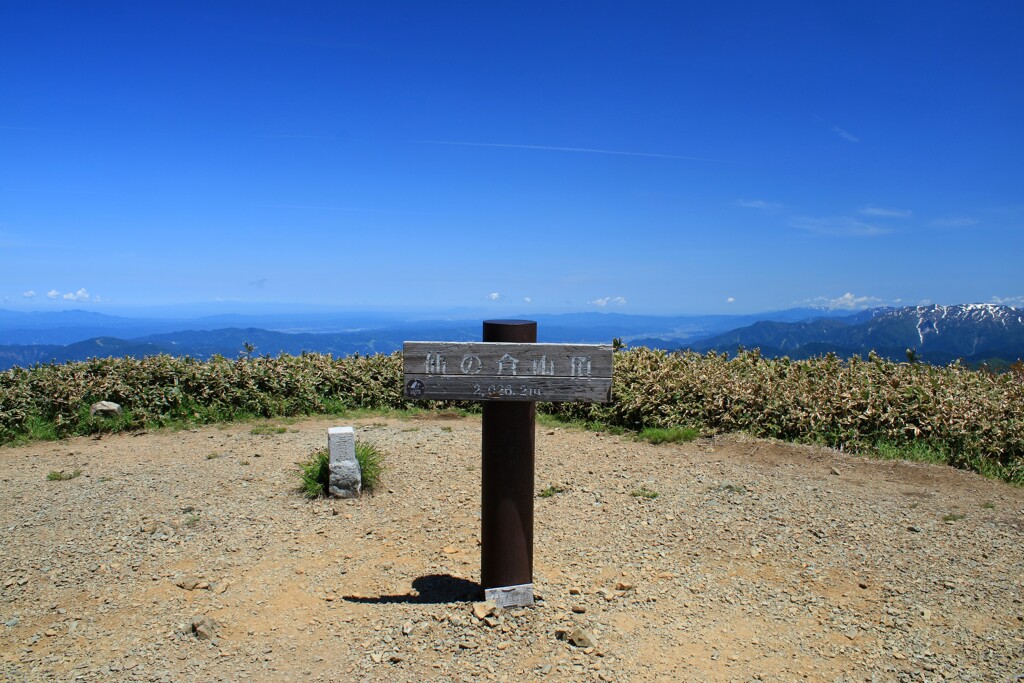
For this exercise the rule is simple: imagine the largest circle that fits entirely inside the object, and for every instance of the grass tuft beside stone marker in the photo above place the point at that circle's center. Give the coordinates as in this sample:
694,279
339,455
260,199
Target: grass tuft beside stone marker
371,465
315,471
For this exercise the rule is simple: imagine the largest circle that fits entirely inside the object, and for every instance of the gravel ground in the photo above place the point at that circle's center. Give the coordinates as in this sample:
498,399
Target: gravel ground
190,556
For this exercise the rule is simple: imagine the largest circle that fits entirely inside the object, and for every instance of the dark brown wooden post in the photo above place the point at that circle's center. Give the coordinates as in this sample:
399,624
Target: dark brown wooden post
508,372
506,562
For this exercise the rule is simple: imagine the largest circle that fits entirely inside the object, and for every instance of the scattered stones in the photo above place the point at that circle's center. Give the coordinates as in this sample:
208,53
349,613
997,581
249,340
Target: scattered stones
838,585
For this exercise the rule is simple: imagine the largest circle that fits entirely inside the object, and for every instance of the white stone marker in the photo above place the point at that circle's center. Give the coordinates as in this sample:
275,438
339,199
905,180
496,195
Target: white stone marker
346,479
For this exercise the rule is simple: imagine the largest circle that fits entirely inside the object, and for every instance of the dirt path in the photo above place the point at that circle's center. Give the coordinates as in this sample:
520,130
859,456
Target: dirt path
756,561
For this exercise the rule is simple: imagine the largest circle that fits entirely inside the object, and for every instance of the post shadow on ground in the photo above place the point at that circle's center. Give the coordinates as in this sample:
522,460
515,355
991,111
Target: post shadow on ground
433,589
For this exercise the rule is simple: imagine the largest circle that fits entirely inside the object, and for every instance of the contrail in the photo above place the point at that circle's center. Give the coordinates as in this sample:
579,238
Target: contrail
586,150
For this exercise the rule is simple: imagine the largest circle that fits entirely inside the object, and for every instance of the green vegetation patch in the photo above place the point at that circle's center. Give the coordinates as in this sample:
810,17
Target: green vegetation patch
551,490
954,415
315,474
61,475
961,417
371,465
266,430
914,451
644,492
658,435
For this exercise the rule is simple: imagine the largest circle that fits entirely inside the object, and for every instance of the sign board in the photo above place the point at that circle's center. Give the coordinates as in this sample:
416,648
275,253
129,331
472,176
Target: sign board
503,371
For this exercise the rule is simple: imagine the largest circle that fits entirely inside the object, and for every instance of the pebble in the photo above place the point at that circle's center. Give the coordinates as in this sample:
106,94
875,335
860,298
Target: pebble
484,609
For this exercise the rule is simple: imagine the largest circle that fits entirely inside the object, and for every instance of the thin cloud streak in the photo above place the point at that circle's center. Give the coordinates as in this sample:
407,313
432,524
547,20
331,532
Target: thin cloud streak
837,227
845,134
758,204
584,150
885,213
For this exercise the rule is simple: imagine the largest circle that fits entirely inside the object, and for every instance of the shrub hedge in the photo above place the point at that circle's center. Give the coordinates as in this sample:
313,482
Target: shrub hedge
975,418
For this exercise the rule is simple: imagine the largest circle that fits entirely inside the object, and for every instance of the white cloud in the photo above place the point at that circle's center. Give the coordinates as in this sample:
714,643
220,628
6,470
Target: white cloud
841,226
758,204
730,300
604,301
846,302
1015,301
494,296
845,134
528,299
884,212
29,294
80,295
53,294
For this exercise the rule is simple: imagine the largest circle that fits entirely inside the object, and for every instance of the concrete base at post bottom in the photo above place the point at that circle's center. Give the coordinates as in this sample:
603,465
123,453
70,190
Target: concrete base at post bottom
511,596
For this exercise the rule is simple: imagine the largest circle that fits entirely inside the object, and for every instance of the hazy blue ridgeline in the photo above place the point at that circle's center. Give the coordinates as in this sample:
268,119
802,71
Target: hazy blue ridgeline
936,334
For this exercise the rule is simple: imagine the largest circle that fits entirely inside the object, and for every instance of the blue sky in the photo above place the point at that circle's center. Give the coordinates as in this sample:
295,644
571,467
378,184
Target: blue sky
649,157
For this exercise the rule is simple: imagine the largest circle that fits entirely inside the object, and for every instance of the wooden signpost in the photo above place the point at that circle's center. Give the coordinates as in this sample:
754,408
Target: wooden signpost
508,372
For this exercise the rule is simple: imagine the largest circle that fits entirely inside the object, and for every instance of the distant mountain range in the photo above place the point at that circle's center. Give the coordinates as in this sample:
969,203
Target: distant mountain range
938,334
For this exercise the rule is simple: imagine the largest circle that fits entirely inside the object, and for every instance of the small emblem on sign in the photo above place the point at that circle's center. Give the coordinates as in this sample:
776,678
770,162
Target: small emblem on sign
414,389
